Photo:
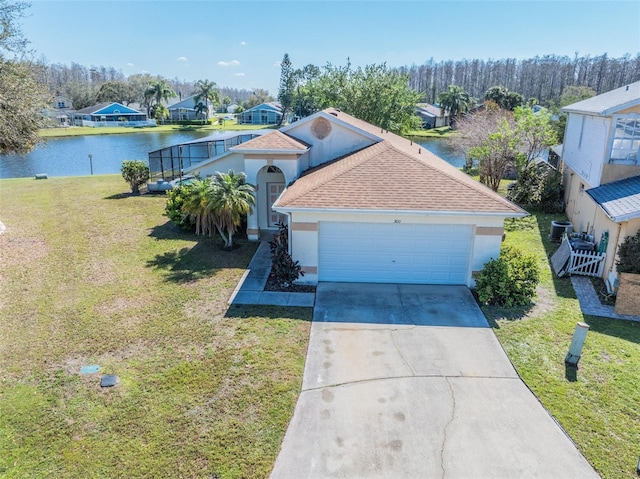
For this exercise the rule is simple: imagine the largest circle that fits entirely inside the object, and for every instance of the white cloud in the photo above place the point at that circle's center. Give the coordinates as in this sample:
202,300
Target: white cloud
129,64
277,64
238,74
183,59
232,63
243,43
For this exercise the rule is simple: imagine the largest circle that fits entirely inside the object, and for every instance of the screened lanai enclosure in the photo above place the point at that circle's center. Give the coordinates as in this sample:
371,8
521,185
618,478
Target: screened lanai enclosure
170,162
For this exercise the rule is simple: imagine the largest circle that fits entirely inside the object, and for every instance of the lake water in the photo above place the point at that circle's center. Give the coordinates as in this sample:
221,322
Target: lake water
70,156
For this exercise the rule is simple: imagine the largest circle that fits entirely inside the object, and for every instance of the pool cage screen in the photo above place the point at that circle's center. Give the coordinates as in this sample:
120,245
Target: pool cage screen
170,162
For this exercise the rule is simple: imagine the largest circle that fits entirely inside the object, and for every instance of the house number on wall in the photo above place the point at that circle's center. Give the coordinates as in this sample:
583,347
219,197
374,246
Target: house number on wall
397,221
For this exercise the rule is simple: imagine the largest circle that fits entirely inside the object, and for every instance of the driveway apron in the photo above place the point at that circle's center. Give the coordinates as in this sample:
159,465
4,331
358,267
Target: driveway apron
409,381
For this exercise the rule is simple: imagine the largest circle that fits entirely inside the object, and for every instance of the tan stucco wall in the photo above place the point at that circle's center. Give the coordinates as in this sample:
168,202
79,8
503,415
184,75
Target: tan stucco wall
612,173
633,109
586,216
234,161
340,141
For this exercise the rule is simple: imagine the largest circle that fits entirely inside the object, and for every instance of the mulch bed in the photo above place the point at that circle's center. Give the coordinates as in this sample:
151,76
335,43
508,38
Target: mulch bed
294,288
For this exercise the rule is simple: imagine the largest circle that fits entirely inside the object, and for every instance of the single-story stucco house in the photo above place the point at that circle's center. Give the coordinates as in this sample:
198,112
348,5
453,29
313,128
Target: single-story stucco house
110,114
268,113
366,205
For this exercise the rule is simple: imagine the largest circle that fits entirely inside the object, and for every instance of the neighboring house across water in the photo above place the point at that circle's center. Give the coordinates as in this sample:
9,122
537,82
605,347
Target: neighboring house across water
264,114
232,108
431,116
60,111
110,114
602,169
186,110
366,205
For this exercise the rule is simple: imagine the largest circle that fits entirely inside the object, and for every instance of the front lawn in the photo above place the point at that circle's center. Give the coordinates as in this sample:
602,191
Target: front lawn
599,404
93,276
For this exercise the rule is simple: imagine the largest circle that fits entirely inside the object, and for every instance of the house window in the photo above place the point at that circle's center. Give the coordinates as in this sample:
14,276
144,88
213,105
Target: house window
626,140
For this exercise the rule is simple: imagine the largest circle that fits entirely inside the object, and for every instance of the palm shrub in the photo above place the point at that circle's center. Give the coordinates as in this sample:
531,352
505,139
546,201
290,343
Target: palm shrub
284,270
510,280
629,255
136,173
217,203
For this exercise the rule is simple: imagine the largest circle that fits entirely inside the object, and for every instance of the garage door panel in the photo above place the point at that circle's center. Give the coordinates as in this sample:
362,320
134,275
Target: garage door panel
389,252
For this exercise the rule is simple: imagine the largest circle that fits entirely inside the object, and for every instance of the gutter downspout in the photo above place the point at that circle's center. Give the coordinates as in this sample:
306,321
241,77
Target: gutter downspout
615,252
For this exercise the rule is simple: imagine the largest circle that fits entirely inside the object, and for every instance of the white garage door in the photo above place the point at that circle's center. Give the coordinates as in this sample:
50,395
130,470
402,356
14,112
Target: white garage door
394,253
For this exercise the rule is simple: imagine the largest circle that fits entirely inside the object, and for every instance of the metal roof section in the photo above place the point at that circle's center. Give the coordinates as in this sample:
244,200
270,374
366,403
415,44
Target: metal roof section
620,200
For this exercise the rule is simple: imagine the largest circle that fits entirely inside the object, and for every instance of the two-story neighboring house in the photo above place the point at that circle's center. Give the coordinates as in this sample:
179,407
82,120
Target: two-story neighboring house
602,167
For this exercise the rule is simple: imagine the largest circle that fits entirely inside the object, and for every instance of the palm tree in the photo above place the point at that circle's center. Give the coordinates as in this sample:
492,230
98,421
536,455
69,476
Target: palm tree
197,204
201,109
208,91
158,91
456,101
160,112
232,198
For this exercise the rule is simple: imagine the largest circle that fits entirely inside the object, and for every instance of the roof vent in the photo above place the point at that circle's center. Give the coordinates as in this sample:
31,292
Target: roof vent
627,88
333,113
419,151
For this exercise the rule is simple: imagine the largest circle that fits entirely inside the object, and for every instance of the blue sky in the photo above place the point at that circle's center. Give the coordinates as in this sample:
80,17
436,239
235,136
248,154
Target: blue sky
239,43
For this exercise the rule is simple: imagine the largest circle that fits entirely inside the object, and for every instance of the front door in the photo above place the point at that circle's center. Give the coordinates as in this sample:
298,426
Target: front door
274,190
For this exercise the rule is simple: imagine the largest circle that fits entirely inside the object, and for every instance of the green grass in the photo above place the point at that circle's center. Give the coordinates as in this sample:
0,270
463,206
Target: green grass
92,275
86,130
441,132
599,404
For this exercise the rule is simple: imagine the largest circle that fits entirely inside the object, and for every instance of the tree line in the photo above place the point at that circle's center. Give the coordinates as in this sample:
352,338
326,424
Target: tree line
542,77
85,86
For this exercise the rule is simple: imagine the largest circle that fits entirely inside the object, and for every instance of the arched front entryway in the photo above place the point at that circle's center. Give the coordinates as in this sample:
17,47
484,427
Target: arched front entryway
269,186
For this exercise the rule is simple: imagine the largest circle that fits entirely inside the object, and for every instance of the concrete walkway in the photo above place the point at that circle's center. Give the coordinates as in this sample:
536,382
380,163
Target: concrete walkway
590,303
250,289
407,381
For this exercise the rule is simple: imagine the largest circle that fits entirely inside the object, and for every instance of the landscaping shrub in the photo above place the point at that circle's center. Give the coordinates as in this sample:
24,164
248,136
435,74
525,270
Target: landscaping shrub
510,280
284,270
136,173
629,255
538,188
174,211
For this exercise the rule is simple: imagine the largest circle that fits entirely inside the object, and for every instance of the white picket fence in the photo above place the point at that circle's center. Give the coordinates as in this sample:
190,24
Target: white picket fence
586,263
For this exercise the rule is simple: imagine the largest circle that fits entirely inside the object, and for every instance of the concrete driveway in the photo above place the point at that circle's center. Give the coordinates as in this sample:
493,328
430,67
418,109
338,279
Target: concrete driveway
405,381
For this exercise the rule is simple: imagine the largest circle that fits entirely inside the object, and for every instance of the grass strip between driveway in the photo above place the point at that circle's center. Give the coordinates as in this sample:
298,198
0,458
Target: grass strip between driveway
93,276
599,404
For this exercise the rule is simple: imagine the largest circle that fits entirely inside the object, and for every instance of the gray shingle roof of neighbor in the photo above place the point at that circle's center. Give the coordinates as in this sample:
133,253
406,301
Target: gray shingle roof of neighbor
620,200
609,102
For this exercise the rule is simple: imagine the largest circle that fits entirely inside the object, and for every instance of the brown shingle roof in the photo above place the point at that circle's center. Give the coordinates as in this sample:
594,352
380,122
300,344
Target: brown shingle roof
393,174
274,140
